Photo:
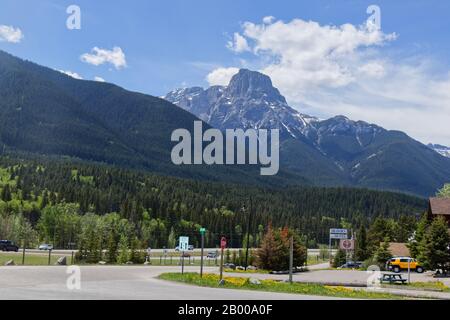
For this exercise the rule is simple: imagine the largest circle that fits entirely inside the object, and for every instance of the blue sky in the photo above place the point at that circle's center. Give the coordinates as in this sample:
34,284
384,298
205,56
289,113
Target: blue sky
173,43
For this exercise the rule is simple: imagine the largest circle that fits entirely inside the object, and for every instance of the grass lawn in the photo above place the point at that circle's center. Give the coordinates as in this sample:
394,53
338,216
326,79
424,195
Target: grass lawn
212,280
433,286
313,260
30,259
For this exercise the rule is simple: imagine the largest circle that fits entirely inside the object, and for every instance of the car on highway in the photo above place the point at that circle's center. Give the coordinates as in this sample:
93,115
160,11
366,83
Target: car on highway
190,248
46,247
398,264
351,265
212,255
6,245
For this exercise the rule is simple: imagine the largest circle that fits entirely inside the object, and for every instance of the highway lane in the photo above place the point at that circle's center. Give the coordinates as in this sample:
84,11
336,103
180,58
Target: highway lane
118,283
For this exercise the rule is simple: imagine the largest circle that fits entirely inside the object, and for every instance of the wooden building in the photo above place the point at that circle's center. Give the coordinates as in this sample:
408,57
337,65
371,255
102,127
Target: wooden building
439,207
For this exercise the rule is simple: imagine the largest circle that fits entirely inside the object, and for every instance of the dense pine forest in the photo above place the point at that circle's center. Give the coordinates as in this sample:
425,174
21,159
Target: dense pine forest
71,203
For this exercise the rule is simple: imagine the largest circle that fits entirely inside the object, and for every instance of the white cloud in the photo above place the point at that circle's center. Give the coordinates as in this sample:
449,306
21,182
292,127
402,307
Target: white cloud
268,19
221,76
10,34
99,79
327,70
72,74
373,69
99,56
239,44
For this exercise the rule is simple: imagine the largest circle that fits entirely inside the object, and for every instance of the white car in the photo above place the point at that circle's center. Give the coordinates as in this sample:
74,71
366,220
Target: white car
45,247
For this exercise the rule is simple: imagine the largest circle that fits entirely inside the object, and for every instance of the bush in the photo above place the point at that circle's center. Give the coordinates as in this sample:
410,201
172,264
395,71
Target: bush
275,250
339,259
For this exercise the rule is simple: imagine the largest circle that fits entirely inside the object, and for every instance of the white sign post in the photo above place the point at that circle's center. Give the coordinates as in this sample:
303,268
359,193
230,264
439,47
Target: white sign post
183,245
337,234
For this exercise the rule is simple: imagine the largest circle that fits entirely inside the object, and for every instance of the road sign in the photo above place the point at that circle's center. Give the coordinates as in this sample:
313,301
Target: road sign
338,236
202,230
338,231
347,244
184,243
223,243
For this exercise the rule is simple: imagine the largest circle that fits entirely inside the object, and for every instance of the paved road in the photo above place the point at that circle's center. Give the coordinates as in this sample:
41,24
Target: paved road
117,283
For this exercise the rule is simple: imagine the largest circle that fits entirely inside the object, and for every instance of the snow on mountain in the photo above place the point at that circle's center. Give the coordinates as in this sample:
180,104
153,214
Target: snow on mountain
249,101
442,150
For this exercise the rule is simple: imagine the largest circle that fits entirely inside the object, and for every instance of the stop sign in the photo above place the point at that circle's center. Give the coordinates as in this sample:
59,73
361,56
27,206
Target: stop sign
223,243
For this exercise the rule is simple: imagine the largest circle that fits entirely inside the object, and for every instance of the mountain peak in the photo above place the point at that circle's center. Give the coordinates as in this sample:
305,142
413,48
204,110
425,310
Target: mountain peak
247,83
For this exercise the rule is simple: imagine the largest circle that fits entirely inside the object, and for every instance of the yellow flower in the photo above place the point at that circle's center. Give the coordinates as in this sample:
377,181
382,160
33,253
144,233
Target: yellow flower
240,282
339,289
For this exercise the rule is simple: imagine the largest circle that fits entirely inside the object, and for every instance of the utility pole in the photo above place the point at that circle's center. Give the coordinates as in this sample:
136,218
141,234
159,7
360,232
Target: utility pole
248,232
291,258
223,244
329,250
182,262
202,232
409,270
306,246
23,252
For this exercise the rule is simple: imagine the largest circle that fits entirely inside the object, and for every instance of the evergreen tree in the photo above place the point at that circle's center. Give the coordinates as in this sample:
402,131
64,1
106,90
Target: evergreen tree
340,258
124,254
382,254
435,245
268,253
362,252
172,241
444,192
6,193
111,253
274,253
416,241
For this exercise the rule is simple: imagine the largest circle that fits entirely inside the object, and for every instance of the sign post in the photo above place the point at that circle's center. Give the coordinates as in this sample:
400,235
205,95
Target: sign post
291,258
202,232
223,245
409,270
183,246
336,234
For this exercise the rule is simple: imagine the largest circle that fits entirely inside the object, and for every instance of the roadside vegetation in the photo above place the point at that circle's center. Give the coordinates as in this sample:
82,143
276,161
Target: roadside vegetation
212,280
30,259
64,202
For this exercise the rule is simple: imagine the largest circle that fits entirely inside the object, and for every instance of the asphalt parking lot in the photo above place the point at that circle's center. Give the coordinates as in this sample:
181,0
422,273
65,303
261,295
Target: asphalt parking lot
117,283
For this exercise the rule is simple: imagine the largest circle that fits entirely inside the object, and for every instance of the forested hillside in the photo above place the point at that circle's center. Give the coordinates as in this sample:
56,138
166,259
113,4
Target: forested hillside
62,201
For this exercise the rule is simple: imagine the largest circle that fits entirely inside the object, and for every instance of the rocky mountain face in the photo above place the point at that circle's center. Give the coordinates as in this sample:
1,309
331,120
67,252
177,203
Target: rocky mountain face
249,101
335,151
442,150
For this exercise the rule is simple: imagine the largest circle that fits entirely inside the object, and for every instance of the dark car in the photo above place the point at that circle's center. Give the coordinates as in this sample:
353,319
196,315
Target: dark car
351,265
6,245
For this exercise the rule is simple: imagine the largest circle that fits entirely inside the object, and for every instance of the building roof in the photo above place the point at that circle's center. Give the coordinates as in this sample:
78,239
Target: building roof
399,249
440,206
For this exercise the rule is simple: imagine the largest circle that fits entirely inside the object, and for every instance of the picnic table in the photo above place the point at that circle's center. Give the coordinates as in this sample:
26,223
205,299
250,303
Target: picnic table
392,278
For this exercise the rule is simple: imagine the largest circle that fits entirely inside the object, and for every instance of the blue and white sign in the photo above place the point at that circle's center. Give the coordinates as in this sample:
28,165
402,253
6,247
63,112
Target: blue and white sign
338,236
338,231
184,243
